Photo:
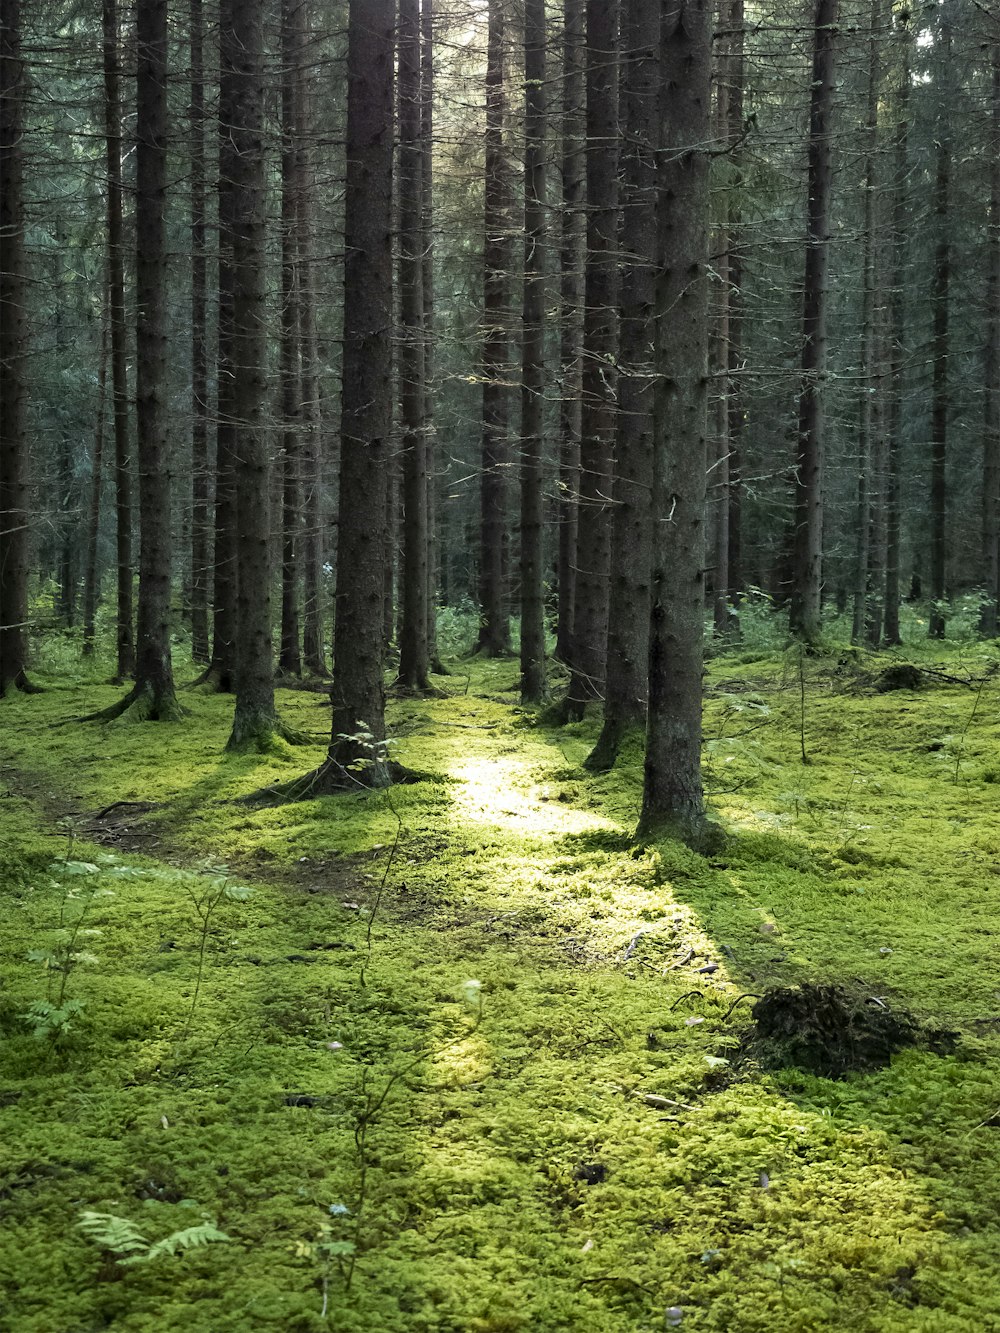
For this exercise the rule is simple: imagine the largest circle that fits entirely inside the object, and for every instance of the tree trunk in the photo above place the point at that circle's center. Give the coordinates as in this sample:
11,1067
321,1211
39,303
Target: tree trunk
13,359
289,654
571,264
414,659
991,373
600,328
200,558
869,385
807,578
427,275
241,110
734,251
896,339
631,547
673,802
357,753
311,558
125,635
91,577
940,349
494,633
533,683
153,697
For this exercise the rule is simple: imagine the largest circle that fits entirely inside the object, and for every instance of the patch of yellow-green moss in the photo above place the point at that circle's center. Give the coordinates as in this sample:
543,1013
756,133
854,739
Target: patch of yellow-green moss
584,1149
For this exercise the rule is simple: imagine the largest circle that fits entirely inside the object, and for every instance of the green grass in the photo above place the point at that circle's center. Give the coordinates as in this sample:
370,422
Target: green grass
516,1175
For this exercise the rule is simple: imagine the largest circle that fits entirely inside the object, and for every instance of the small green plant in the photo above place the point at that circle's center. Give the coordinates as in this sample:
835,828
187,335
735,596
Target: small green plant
125,1246
62,954
328,1252
206,900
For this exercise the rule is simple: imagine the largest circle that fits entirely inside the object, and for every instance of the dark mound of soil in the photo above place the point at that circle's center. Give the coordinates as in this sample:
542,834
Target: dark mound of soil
832,1031
900,677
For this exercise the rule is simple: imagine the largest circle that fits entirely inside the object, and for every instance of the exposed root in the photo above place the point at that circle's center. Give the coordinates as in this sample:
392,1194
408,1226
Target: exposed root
141,704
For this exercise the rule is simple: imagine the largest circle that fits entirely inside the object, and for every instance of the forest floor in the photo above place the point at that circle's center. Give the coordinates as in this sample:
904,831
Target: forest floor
464,1059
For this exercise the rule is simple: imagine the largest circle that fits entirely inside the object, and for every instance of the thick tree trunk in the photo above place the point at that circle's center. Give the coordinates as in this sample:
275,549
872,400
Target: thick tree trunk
600,344
13,359
673,801
125,634
200,558
571,263
533,683
494,632
631,547
241,109
357,753
414,659
807,578
991,373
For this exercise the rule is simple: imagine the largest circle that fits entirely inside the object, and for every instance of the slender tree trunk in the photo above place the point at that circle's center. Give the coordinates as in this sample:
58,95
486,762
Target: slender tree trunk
153,697
414,658
940,350
200,463
719,342
91,577
867,498
896,338
533,683
125,635
494,633
631,547
991,372
289,654
734,250
571,310
311,559
807,580
593,547
673,801
427,276
255,720
13,359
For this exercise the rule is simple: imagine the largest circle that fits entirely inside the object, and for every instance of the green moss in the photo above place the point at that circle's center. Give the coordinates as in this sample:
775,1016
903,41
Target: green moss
588,1152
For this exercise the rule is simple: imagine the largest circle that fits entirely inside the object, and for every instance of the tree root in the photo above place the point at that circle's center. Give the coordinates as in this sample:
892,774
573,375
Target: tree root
141,704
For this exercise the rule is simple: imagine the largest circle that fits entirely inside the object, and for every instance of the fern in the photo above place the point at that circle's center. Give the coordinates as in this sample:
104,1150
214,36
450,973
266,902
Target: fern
191,1238
113,1233
130,1247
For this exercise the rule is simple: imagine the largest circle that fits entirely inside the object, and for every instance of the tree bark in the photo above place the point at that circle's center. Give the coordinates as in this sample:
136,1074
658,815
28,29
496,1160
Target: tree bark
241,110
200,463
357,754
991,371
807,580
414,658
534,688
125,634
91,575
13,359
673,801
631,544
940,291
896,338
571,263
600,342
494,632
289,653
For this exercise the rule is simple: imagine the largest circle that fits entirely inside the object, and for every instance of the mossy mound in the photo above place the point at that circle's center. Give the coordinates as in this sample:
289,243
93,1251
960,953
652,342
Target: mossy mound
833,1031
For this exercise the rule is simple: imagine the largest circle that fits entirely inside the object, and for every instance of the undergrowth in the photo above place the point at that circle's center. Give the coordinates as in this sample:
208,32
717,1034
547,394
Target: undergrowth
537,1113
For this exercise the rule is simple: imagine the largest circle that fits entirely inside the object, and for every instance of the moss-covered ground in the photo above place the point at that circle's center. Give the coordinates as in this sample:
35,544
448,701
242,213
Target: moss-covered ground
574,1144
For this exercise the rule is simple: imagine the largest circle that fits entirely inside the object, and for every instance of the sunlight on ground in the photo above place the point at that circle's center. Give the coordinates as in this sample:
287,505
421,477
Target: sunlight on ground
502,792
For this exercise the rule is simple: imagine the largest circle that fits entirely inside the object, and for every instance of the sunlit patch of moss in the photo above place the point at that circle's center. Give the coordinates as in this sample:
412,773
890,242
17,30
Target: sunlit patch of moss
589,1153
